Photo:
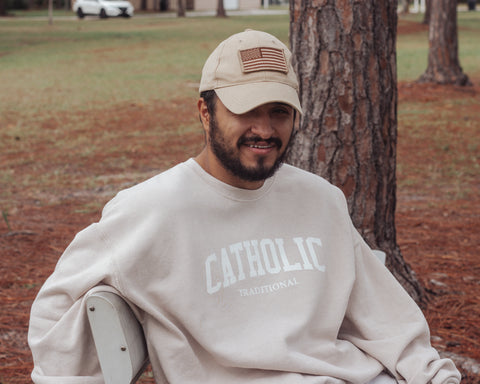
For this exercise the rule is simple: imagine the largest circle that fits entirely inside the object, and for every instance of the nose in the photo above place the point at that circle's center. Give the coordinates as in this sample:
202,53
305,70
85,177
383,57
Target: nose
261,125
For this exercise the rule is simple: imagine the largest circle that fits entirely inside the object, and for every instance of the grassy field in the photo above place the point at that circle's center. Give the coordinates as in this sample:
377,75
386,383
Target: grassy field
62,80
79,68
84,64
91,63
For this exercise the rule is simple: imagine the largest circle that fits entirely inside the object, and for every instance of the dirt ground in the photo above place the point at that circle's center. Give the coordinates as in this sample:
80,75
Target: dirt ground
437,227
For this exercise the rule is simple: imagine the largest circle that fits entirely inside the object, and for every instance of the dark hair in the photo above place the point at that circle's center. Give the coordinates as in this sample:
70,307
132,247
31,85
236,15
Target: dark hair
210,98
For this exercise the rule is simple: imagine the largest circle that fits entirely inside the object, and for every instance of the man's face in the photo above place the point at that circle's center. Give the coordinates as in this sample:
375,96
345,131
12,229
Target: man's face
250,146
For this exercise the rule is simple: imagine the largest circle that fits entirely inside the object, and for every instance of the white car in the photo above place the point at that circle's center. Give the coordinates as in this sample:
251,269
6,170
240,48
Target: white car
103,8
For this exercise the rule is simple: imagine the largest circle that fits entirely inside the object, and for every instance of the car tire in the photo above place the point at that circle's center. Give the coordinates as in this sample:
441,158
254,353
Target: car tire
80,13
103,14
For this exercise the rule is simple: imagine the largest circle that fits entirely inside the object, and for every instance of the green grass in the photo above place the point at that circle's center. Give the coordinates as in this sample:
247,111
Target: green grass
85,64
39,13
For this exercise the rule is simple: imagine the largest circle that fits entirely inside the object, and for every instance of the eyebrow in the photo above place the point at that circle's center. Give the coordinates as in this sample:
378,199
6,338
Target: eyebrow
279,103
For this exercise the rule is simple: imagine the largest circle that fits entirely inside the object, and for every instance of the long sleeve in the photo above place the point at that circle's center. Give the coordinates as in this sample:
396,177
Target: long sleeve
59,336
386,323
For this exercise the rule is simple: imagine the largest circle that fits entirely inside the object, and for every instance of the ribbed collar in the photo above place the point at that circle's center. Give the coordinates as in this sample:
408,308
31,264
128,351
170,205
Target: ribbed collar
227,190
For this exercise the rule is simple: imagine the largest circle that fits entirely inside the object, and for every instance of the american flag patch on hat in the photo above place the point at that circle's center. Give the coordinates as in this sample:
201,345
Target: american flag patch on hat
263,59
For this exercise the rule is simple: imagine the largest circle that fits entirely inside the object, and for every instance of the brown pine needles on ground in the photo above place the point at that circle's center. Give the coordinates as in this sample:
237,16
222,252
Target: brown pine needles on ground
438,212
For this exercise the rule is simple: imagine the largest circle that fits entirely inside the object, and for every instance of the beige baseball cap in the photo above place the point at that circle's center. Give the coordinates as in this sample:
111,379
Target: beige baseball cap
249,69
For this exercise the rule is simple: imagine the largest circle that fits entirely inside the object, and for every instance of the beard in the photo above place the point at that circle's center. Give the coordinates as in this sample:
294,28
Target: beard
229,156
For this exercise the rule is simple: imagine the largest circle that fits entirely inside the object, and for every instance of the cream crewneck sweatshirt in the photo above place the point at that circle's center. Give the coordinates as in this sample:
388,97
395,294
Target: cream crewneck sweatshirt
271,286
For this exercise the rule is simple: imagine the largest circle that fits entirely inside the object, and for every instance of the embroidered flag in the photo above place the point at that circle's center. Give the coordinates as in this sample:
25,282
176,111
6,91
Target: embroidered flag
263,59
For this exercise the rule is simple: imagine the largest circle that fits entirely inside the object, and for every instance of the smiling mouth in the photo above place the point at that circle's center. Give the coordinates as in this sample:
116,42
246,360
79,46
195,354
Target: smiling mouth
261,146
259,143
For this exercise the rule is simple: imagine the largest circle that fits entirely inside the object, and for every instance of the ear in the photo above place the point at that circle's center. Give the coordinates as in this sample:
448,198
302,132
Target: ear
203,114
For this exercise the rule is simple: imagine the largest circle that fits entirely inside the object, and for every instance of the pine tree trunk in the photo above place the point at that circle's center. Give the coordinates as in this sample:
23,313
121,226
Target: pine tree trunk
428,9
3,8
50,12
221,9
344,55
443,64
181,8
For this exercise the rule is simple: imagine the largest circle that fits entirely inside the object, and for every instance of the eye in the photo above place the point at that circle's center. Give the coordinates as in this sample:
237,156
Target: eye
282,110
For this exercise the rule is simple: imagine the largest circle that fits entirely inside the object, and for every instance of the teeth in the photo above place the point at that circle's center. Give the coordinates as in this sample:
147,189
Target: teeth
260,146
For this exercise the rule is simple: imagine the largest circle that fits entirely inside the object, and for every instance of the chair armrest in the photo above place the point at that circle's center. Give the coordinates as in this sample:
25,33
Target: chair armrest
118,338
380,255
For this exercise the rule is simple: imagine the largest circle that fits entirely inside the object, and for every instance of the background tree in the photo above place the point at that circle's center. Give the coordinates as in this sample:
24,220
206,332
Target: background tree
50,12
426,16
3,8
181,8
221,9
443,64
405,8
344,55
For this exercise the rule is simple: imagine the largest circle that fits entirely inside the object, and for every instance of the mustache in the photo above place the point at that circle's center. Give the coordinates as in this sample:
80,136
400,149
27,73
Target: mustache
257,139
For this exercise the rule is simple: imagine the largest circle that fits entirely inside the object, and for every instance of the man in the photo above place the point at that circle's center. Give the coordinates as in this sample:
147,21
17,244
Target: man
240,269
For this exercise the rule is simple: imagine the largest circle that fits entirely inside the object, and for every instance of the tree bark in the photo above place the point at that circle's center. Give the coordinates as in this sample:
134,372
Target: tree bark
221,9
50,12
405,6
3,7
344,55
443,64
181,8
428,9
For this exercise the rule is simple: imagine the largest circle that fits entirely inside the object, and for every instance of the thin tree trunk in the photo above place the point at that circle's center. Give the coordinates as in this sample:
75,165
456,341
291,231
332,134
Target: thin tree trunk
344,55
3,8
405,6
50,12
181,8
428,8
443,64
221,9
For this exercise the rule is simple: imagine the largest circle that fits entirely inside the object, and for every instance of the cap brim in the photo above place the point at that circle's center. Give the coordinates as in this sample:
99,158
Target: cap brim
245,97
